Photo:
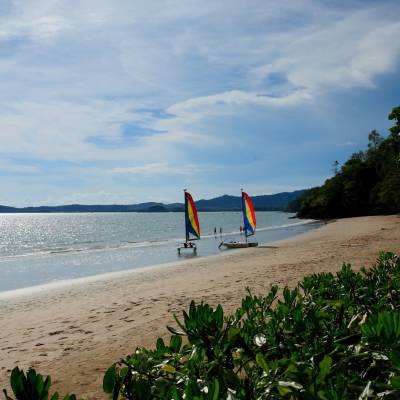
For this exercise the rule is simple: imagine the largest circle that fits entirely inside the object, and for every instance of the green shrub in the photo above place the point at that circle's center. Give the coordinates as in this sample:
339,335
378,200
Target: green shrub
332,337
31,386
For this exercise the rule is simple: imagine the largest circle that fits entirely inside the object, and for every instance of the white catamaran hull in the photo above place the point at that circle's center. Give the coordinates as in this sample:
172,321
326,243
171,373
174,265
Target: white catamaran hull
187,248
238,245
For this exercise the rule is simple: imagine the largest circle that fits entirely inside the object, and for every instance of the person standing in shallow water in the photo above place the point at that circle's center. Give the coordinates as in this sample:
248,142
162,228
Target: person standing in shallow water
215,231
220,231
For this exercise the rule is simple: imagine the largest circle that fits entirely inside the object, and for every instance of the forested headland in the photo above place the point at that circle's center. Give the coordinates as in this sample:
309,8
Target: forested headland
366,184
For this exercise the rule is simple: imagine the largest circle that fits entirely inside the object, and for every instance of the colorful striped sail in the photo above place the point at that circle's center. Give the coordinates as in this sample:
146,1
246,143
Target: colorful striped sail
249,217
191,220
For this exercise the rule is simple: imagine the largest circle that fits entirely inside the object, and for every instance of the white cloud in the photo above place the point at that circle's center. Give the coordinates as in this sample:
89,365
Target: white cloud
349,51
157,169
10,166
236,98
75,75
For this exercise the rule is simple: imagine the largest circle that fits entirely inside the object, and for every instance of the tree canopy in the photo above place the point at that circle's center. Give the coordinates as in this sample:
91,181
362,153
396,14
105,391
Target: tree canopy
368,183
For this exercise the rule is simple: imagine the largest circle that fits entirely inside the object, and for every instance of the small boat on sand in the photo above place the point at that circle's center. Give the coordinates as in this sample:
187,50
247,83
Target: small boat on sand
192,225
238,245
249,221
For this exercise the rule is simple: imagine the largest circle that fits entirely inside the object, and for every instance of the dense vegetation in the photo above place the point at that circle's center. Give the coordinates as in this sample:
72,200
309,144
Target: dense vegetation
332,337
368,183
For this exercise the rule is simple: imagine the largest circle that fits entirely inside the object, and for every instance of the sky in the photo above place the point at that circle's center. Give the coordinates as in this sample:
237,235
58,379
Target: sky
127,101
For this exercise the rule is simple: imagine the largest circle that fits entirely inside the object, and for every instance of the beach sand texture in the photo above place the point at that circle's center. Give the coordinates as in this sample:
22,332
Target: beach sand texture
75,332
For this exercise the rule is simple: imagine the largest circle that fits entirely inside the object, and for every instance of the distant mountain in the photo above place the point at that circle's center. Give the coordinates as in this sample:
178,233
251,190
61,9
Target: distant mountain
268,202
271,202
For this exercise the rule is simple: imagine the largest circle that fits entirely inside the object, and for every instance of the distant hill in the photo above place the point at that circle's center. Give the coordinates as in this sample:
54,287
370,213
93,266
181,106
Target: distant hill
273,202
268,202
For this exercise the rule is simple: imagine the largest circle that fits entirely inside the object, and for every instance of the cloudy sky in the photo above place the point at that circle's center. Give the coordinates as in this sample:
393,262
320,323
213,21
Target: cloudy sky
127,101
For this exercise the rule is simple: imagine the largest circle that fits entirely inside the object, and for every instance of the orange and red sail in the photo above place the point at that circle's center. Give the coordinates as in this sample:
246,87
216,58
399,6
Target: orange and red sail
249,216
191,219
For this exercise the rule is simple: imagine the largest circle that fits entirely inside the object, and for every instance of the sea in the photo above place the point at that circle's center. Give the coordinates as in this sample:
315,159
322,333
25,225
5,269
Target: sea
41,249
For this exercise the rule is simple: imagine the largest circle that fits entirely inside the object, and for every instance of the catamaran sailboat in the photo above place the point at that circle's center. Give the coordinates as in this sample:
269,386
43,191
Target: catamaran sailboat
192,225
249,221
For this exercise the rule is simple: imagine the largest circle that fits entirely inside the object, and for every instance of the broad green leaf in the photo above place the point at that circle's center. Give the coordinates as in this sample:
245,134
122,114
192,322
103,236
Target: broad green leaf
262,363
109,379
290,384
324,367
175,331
16,380
213,390
141,389
175,343
395,381
160,346
395,359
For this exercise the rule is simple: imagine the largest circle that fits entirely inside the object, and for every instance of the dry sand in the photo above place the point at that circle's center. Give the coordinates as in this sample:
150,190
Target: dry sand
74,332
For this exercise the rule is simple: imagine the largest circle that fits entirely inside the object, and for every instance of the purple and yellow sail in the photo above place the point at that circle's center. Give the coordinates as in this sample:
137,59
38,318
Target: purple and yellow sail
191,219
249,216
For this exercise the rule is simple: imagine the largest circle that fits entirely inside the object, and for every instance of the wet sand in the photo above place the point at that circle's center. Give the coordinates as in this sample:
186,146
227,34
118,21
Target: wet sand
74,332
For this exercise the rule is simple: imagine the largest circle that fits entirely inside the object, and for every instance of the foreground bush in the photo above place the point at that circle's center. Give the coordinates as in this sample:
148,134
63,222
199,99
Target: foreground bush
332,337
31,386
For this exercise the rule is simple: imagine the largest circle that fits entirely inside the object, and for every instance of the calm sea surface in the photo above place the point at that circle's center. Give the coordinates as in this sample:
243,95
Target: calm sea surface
36,249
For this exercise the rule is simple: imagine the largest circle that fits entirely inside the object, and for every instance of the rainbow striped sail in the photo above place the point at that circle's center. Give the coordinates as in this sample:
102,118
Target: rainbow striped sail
249,217
191,220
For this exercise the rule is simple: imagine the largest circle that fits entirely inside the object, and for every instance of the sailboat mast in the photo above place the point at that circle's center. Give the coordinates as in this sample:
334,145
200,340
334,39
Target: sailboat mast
186,216
243,211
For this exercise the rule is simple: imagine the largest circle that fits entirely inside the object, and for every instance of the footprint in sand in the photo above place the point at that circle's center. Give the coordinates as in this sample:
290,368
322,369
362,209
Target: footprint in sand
55,333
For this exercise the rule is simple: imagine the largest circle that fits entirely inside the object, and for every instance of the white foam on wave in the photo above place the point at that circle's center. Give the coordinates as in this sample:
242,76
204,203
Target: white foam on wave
65,283
40,288
136,244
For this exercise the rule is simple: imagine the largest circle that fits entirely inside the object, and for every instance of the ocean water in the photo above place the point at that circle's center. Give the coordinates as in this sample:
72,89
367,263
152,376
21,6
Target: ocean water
37,249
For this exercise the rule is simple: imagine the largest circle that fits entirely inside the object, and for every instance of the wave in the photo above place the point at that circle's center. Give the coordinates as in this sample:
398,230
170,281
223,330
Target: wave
90,246
266,228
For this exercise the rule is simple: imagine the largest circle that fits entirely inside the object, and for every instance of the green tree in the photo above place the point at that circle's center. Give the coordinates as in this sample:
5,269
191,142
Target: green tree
335,167
374,140
367,183
395,115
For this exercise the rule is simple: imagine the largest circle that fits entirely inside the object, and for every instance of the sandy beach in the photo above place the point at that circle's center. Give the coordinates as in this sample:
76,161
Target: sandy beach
74,332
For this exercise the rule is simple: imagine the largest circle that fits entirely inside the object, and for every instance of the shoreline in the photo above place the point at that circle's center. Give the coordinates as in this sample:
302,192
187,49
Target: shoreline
65,283
90,325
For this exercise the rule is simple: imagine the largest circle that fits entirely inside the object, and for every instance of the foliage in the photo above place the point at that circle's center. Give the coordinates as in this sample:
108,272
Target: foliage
332,337
31,386
368,183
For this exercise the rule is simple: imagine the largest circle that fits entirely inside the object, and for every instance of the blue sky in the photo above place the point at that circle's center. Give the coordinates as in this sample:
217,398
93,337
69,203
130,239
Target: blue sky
130,101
